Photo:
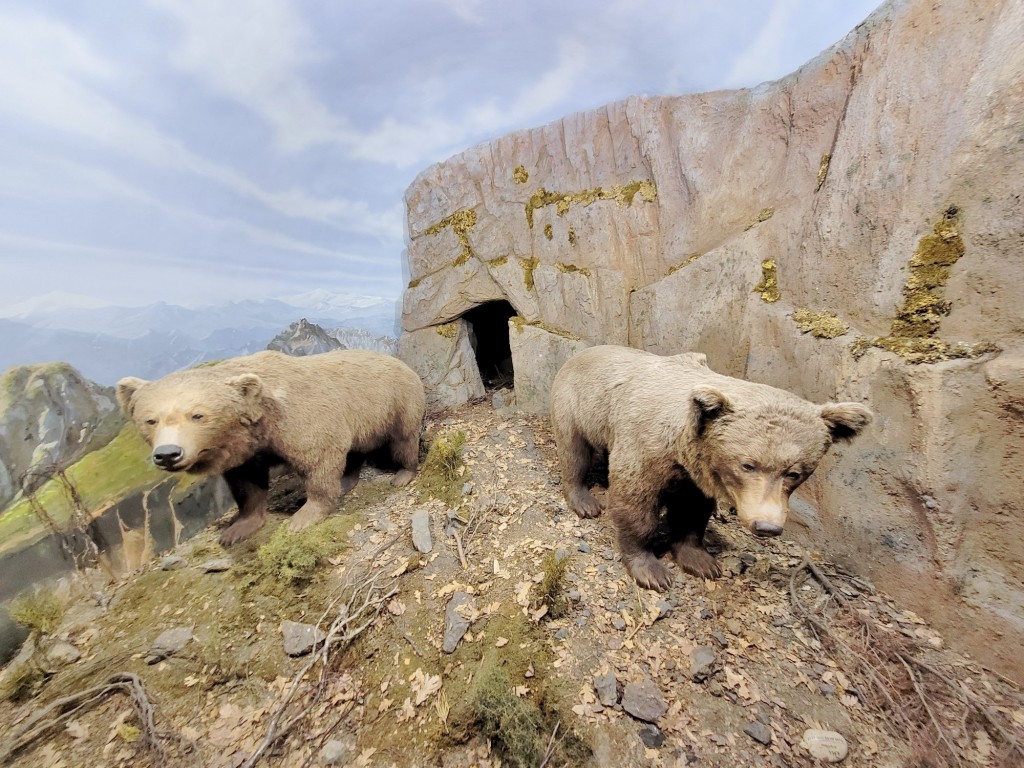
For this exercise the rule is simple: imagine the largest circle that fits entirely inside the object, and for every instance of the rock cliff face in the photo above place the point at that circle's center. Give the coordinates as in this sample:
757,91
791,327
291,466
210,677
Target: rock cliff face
49,416
854,231
305,338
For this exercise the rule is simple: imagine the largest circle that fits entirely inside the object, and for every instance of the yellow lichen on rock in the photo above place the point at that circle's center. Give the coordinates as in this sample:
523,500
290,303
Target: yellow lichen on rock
461,222
448,330
826,160
763,215
820,324
768,288
520,175
684,263
570,268
623,194
529,265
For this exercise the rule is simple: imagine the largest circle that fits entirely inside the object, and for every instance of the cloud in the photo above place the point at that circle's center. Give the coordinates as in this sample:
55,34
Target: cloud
764,58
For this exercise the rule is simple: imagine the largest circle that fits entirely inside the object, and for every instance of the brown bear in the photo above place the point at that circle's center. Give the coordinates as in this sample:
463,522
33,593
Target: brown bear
319,414
681,437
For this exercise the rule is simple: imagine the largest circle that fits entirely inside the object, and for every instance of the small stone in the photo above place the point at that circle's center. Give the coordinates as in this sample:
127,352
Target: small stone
825,689
503,399
584,548
748,559
825,745
731,564
607,688
619,623
720,638
759,732
561,554
734,626
217,565
337,752
300,639
421,531
608,554
168,642
467,488
705,613
651,736
62,653
573,596
644,701
173,563
664,608
455,626
702,661
561,634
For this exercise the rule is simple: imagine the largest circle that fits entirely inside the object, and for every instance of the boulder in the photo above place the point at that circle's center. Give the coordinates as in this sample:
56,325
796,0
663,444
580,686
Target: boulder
537,354
443,358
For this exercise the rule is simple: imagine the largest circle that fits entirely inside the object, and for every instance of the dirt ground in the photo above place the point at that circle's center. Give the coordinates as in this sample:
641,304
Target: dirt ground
744,665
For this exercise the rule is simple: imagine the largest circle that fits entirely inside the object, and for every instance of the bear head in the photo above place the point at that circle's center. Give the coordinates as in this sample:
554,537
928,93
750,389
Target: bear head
753,455
198,421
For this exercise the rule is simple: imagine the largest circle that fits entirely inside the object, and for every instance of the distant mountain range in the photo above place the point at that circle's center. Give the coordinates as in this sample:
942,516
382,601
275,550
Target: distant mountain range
107,342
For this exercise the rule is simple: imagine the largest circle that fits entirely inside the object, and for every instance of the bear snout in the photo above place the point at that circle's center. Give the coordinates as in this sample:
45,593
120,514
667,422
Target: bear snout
764,528
167,456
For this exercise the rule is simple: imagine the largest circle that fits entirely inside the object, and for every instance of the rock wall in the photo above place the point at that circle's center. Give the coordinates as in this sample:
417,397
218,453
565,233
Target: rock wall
50,416
854,230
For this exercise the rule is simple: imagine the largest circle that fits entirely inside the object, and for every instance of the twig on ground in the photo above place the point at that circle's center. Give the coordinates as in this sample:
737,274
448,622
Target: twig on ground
550,751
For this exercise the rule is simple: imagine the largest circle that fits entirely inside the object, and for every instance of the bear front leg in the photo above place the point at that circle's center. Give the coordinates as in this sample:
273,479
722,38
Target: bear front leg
323,492
636,521
575,456
687,516
351,477
249,484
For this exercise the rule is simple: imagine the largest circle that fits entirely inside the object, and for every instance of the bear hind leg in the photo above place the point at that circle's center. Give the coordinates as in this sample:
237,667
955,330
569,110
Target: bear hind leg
249,485
351,476
405,450
576,457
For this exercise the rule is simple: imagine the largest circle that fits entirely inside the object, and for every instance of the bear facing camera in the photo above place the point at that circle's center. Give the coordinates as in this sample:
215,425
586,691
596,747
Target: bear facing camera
241,416
680,436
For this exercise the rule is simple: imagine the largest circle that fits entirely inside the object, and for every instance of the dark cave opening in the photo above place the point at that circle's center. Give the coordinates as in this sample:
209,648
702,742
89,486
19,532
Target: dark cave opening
488,325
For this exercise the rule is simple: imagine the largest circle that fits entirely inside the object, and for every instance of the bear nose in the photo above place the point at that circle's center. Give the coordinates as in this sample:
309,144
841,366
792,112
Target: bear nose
167,455
762,528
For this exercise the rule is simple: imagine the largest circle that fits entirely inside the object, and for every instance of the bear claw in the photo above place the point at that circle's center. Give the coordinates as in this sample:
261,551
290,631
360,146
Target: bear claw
696,561
583,503
649,573
402,477
241,529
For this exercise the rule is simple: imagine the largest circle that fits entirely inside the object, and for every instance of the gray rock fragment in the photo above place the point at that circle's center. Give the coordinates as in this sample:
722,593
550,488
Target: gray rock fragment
644,701
702,662
62,653
217,565
664,608
759,732
168,642
503,399
173,563
421,531
651,736
607,687
299,638
337,752
455,625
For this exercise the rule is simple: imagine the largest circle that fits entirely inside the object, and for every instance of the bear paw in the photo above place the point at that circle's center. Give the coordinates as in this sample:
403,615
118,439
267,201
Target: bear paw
582,502
241,529
649,572
305,517
402,477
696,561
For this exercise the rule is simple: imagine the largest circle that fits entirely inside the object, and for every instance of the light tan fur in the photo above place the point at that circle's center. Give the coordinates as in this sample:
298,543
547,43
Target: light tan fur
240,416
673,423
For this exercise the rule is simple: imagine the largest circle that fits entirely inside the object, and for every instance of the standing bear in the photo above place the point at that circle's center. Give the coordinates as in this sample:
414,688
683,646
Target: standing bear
680,436
319,414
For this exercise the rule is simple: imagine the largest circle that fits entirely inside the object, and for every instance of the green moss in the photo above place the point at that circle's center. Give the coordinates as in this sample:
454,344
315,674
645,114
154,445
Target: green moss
822,325
549,232
529,265
40,610
448,330
763,215
912,334
461,223
292,558
518,321
624,194
415,281
443,472
571,268
551,590
519,175
20,682
826,160
768,288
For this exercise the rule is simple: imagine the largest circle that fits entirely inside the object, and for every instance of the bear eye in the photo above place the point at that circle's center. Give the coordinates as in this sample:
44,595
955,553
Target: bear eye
197,417
151,422
746,466
793,475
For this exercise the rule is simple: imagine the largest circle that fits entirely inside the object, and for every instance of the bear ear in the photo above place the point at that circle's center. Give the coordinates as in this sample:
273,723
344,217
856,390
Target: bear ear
845,420
125,391
708,405
249,385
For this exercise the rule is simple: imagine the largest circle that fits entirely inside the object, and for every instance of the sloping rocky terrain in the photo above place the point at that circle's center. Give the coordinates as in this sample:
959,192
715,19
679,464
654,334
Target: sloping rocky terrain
471,620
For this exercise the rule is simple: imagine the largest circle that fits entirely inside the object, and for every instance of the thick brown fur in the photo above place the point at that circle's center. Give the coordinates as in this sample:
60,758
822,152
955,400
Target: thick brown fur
240,416
680,436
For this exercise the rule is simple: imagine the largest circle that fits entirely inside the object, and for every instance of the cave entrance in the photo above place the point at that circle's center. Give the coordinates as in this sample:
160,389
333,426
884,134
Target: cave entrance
488,325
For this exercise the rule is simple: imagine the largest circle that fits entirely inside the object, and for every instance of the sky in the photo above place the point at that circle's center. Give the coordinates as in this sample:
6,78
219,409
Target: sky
199,151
